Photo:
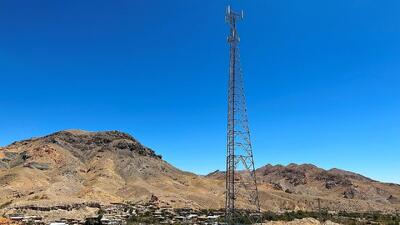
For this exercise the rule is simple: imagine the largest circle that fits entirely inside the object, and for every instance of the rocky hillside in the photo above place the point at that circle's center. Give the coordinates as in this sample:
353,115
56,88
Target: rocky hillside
311,180
75,167
78,166
329,184
302,186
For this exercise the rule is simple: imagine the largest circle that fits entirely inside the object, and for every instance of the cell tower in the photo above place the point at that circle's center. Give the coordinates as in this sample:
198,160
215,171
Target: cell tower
241,184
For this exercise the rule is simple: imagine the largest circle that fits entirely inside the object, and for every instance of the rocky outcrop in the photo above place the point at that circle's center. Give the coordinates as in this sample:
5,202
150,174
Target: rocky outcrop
12,159
36,165
393,200
333,180
86,142
295,177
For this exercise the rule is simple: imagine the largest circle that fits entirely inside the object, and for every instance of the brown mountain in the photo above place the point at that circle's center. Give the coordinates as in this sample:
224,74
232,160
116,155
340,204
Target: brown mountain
72,167
302,186
79,166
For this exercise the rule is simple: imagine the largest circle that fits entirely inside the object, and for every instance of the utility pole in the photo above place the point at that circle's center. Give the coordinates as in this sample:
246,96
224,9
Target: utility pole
239,148
320,210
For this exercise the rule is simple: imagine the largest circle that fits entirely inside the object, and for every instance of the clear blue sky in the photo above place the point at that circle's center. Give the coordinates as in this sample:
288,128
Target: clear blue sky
322,77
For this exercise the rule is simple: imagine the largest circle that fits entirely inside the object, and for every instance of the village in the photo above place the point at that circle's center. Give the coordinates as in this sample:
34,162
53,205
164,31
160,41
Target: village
125,213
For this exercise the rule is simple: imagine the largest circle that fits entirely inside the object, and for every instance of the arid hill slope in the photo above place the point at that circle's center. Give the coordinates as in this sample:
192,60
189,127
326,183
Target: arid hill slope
78,166
302,186
75,166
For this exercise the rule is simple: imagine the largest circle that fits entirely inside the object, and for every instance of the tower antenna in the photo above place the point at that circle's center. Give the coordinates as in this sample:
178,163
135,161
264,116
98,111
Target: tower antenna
242,200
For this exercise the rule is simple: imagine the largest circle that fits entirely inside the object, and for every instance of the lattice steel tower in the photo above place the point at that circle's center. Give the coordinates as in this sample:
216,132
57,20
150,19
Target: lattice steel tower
241,184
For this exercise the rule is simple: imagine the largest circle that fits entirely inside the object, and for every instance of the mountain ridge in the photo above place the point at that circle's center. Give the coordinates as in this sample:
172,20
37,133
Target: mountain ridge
75,166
